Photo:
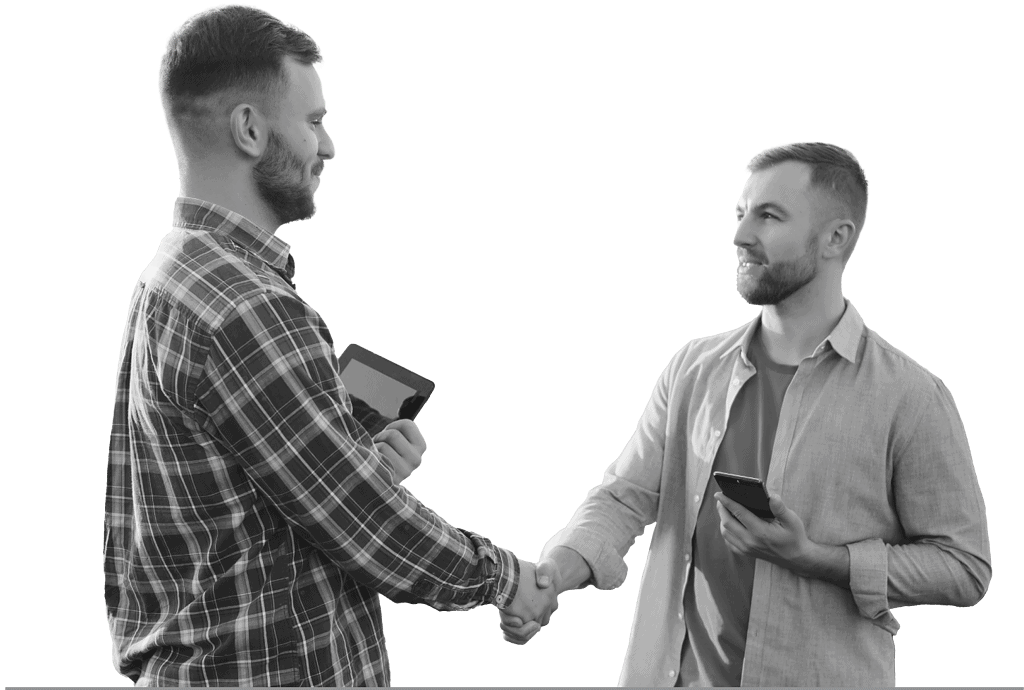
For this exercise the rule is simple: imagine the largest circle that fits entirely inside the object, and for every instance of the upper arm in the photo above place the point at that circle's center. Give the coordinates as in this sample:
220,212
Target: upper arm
934,483
270,395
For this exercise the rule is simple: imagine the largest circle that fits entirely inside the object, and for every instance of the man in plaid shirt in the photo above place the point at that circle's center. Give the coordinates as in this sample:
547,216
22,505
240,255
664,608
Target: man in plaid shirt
251,521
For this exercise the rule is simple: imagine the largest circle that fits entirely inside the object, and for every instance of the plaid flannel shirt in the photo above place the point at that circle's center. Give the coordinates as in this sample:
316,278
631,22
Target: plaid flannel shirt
250,523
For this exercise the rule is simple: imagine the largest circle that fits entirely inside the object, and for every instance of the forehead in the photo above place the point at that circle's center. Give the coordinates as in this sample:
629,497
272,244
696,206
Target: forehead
787,183
304,92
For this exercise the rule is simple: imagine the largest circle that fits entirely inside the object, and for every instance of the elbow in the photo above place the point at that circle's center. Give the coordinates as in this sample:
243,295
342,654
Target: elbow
980,587
975,585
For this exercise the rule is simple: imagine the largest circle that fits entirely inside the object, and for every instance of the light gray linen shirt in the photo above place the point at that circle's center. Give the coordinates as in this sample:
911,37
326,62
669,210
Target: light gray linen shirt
870,452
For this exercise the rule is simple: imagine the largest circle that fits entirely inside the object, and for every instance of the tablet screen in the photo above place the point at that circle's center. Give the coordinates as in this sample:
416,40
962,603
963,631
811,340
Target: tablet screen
381,391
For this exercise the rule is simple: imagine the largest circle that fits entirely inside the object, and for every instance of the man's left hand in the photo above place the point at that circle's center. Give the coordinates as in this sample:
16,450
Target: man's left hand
402,444
782,541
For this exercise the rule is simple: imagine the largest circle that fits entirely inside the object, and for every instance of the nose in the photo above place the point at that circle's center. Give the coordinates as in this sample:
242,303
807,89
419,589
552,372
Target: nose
743,236
326,148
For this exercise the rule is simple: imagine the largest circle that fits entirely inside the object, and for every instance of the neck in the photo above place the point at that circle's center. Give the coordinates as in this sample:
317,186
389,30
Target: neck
231,196
793,329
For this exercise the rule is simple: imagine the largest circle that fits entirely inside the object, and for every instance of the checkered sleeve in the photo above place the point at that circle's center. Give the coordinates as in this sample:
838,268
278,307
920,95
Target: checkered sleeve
270,392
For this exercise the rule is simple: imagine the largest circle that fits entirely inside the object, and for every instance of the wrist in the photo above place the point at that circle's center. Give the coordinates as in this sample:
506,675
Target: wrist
808,560
570,568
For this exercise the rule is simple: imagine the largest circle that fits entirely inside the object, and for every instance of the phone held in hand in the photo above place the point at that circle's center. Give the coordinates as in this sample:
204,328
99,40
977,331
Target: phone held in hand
749,492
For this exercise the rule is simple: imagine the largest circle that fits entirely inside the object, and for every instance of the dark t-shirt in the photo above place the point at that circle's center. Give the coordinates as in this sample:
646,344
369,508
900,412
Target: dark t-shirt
716,603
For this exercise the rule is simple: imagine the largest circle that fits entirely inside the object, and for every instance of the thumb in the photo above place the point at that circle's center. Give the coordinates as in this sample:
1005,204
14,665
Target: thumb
779,508
545,573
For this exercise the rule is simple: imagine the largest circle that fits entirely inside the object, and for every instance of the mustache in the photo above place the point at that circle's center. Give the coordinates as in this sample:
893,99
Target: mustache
318,168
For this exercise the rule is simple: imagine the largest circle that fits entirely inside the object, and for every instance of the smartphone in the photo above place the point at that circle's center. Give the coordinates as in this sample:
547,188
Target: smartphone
749,492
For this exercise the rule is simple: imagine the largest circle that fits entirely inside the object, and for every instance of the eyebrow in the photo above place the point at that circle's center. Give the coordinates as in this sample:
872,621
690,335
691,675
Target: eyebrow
766,206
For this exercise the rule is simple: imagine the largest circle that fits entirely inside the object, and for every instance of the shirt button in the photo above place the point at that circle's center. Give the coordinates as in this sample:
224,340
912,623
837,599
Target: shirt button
500,598
686,557
680,615
696,498
671,674
718,432
735,382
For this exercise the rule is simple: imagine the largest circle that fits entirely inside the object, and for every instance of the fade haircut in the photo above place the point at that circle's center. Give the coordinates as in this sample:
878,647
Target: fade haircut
833,170
228,51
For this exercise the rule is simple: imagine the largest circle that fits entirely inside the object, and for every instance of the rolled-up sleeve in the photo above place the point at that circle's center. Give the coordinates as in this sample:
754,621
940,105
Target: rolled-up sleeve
869,561
618,510
944,557
270,392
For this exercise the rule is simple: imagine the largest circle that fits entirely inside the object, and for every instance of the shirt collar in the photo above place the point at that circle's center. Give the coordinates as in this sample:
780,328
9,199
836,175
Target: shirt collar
196,214
844,338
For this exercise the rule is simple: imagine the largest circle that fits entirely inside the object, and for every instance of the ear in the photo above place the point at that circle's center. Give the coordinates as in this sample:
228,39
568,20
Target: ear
841,239
249,130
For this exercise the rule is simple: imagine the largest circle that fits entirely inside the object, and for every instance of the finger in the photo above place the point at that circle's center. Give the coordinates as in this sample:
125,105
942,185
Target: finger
411,432
395,439
521,635
734,544
509,638
526,630
726,511
726,518
399,467
511,621
729,520
532,629
545,573
388,452
746,518
514,637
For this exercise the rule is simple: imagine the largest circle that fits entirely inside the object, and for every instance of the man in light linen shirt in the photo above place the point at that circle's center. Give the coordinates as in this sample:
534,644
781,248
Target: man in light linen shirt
865,458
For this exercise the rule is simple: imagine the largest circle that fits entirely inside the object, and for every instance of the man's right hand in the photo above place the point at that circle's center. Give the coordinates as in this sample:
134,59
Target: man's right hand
534,603
518,629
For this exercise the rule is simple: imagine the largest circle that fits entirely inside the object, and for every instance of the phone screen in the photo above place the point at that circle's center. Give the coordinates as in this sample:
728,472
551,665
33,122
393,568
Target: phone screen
748,492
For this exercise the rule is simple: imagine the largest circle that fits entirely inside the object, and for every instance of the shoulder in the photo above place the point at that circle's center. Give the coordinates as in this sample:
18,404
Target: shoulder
707,353
897,367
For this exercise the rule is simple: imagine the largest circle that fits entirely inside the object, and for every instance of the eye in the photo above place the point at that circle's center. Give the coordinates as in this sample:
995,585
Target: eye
318,122
766,214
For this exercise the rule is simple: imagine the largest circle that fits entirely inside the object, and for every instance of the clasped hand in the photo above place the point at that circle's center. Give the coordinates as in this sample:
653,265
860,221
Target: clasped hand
536,599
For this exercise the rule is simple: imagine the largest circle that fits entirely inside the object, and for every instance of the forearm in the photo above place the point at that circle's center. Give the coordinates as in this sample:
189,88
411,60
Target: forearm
827,563
572,569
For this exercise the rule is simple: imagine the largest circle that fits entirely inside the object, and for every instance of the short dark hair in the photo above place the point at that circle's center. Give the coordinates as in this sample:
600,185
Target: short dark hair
228,48
833,170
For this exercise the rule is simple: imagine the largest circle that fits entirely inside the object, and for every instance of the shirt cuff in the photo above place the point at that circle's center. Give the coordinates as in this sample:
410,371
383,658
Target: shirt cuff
506,578
869,582
607,568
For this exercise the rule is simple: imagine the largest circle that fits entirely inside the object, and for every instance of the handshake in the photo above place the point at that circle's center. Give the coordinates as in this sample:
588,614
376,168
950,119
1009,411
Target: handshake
539,586
401,445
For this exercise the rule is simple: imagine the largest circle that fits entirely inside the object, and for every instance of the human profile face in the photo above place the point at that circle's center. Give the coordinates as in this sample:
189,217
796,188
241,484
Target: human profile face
288,172
776,237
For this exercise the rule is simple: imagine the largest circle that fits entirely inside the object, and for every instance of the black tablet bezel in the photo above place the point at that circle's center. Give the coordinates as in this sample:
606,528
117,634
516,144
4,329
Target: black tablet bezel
422,385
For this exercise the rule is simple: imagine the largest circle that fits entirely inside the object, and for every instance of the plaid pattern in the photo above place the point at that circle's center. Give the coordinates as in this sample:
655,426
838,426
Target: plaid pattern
250,524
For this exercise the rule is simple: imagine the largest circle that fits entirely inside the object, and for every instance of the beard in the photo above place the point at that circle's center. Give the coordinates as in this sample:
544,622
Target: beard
779,280
278,175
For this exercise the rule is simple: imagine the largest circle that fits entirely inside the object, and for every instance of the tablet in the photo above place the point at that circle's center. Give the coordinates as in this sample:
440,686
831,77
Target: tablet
381,391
